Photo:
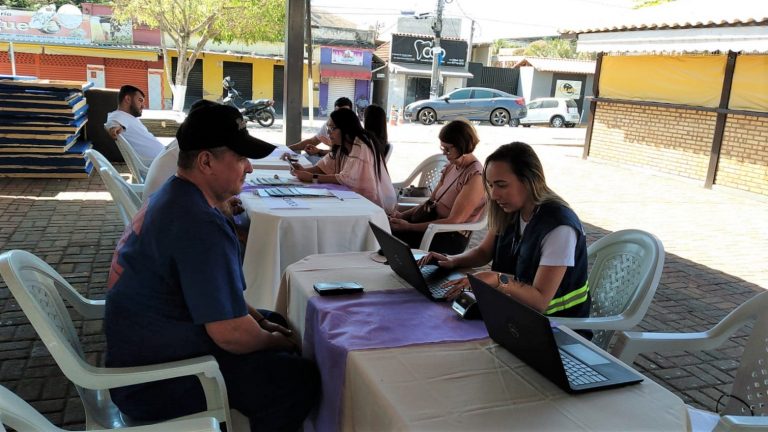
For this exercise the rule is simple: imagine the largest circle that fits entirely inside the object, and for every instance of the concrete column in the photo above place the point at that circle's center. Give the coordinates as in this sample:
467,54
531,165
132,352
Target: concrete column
294,69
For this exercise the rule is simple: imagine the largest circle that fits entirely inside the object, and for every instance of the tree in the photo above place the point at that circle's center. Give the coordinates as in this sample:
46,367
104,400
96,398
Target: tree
207,20
556,48
37,4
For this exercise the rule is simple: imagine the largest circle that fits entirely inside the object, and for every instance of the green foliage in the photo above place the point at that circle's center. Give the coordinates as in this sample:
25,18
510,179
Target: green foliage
37,4
647,3
556,48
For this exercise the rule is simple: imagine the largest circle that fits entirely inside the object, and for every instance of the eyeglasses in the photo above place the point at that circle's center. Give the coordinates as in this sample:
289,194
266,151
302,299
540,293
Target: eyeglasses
331,128
446,148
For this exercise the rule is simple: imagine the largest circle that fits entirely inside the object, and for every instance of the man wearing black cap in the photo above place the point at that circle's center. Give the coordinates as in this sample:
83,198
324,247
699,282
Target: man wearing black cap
176,290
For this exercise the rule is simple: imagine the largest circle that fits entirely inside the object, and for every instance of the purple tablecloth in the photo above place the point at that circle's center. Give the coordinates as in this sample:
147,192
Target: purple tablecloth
378,319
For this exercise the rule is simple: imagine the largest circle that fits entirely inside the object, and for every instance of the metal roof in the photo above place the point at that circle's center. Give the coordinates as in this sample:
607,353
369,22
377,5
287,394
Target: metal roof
681,14
558,65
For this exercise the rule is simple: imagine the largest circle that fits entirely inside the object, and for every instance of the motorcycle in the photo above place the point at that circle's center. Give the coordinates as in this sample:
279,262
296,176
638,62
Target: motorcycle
259,110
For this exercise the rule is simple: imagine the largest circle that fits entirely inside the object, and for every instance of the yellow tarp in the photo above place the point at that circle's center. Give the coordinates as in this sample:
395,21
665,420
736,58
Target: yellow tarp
750,84
686,80
21,48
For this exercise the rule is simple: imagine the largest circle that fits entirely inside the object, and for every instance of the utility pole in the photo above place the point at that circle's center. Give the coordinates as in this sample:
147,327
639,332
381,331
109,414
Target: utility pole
469,45
437,27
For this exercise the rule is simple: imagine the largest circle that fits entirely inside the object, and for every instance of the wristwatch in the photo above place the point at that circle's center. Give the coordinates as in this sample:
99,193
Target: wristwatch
315,177
503,281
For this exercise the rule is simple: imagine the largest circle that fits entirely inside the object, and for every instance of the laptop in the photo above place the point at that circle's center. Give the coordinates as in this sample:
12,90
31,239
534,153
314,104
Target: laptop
427,280
566,361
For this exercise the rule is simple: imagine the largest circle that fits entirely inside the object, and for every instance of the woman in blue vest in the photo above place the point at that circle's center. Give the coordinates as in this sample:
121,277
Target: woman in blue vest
536,242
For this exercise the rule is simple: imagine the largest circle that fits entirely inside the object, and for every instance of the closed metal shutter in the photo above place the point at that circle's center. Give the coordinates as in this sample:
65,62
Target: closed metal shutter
338,87
120,72
194,82
63,67
242,75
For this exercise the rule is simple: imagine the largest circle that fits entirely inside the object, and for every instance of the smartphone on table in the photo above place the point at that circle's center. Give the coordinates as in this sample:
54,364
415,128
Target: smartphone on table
337,288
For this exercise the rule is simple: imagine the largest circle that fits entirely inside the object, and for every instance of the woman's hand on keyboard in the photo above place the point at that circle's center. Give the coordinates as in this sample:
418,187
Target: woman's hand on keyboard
437,259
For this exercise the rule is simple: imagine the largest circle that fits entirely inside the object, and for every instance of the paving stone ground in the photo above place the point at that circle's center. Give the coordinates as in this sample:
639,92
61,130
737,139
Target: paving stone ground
716,242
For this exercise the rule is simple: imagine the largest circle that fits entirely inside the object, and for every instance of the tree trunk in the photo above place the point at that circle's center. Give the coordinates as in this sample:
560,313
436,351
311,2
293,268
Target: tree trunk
179,97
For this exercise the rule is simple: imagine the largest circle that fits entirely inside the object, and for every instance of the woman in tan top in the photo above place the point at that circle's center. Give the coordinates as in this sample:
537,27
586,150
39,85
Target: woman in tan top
459,195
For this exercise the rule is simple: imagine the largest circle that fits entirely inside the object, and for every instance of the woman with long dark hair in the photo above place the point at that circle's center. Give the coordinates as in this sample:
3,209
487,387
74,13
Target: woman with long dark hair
375,123
536,242
354,161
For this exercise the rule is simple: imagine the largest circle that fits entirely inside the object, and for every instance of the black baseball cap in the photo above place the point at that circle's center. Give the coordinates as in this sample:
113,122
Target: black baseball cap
220,126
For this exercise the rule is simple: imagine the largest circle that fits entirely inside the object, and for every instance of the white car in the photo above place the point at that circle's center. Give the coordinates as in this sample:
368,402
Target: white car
557,112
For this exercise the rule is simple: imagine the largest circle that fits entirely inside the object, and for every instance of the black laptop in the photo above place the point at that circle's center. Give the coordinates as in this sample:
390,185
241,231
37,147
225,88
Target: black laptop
427,280
572,365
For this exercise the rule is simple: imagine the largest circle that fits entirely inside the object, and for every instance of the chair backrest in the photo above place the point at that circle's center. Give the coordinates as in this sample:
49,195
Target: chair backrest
752,377
135,165
428,172
35,285
626,269
125,198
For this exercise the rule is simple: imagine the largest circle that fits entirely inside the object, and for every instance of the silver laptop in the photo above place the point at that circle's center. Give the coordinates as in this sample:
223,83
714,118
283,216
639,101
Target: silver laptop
566,361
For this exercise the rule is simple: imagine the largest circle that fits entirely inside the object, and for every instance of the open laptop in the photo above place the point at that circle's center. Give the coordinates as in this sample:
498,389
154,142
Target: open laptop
572,365
426,280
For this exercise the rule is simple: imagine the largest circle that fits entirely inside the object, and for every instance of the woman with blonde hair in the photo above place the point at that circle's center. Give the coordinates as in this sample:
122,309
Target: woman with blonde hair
535,241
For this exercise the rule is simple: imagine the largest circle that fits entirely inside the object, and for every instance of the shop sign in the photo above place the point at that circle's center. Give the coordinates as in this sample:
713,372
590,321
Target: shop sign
346,56
568,89
67,24
419,49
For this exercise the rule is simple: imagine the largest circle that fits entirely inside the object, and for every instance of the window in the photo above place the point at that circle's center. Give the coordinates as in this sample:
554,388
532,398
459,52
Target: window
534,105
570,103
483,94
550,103
460,94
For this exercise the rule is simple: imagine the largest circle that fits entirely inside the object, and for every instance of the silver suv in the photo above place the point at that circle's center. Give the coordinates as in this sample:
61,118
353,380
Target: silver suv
557,112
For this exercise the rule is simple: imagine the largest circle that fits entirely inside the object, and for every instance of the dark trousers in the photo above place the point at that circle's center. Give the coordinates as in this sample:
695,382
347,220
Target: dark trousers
448,243
275,390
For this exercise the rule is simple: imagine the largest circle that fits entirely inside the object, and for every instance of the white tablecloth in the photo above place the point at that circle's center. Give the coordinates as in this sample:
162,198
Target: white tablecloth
278,238
273,161
463,386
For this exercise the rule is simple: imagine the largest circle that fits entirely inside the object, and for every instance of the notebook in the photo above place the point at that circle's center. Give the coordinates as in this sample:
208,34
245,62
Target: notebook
563,359
427,280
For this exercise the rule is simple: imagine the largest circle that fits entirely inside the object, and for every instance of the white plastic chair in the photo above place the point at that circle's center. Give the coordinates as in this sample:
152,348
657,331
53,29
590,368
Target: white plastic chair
434,229
751,379
626,269
135,165
21,416
428,173
127,196
36,287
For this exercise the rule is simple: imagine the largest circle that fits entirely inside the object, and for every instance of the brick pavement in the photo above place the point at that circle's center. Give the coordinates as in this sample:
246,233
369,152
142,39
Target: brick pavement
715,241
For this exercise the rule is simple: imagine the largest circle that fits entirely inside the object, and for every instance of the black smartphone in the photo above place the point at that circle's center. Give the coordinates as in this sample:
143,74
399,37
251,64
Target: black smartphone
337,288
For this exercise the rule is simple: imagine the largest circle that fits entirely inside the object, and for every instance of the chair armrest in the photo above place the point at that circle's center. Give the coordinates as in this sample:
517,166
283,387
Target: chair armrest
433,229
137,187
205,368
630,344
405,206
204,424
412,200
741,423
88,309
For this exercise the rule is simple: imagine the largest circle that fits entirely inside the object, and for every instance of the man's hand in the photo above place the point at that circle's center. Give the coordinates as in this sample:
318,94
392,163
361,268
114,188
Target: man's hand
400,224
292,341
115,131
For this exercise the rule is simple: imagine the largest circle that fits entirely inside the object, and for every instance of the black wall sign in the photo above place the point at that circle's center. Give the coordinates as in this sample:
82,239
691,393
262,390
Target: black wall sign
414,49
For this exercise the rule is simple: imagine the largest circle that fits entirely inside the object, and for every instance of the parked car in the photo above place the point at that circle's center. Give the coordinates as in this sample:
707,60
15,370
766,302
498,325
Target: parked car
557,112
471,103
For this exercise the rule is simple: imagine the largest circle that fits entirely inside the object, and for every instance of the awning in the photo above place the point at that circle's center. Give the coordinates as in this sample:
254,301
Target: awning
131,54
21,48
345,71
426,70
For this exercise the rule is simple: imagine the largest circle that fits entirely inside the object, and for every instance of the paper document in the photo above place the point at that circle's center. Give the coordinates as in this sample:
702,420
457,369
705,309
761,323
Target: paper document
286,203
273,181
294,192
342,194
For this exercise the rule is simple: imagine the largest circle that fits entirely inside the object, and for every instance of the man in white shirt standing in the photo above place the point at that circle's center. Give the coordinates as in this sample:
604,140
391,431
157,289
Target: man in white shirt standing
125,120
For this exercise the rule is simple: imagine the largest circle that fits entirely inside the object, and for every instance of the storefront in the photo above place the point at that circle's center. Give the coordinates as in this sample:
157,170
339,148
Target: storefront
344,72
410,70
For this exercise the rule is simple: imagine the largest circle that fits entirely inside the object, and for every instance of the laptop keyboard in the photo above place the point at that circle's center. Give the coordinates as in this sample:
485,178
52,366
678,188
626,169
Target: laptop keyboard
434,280
578,373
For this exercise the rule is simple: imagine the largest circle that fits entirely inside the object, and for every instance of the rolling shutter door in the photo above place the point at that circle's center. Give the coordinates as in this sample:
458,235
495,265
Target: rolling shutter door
119,72
194,82
338,87
278,72
242,75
